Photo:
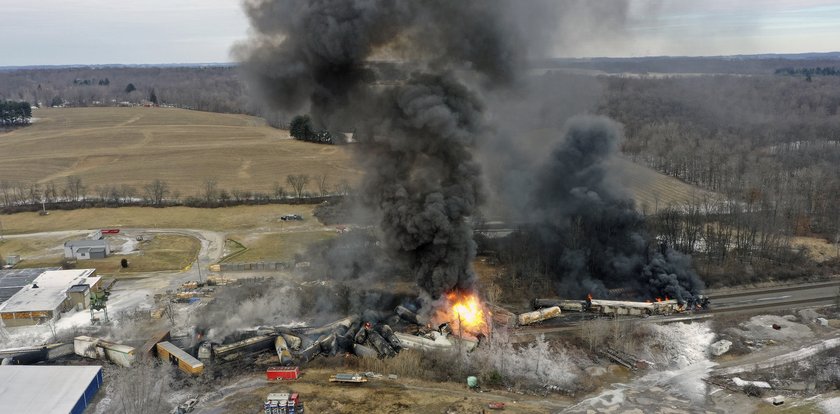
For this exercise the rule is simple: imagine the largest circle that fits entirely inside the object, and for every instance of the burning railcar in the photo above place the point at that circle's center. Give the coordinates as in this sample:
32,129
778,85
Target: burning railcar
622,307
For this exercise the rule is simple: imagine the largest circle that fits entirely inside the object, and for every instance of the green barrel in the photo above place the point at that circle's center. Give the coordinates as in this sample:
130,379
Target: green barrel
472,382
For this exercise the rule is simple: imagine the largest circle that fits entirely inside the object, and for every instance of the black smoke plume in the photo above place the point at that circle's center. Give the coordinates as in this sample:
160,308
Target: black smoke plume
417,134
418,131
591,236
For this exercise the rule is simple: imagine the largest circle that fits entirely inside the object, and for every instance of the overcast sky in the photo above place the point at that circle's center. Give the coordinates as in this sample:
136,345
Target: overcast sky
56,32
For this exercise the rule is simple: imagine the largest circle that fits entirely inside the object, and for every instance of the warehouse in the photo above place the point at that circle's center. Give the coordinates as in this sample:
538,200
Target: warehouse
48,389
86,249
13,280
51,293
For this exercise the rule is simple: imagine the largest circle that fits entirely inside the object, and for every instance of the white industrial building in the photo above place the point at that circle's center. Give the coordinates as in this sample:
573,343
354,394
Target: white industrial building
50,389
51,293
86,249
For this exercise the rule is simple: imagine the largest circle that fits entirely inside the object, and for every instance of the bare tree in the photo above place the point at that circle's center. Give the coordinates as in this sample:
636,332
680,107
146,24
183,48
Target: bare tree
322,184
210,189
594,332
298,183
156,191
139,389
50,192
5,189
224,196
102,192
127,193
34,193
75,188
279,191
237,194
343,187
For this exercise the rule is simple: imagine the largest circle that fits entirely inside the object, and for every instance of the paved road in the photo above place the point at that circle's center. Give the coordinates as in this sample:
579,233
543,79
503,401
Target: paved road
804,295
212,249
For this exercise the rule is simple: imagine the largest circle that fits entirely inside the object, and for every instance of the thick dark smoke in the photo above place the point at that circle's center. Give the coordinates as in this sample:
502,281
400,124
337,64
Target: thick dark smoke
593,238
426,183
417,132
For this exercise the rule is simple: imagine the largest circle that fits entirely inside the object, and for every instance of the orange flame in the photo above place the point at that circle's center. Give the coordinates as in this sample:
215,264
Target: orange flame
465,312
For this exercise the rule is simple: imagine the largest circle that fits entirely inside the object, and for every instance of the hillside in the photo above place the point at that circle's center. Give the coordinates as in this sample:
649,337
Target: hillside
654,191
133,146
115,146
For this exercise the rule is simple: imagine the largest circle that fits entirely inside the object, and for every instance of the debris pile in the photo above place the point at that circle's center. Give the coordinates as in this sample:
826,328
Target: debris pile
371,335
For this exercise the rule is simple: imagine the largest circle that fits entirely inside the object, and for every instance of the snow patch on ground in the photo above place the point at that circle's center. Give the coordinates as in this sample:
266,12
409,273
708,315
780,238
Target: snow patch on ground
609,400
830,406
761,328
680,351
123,245
537,361
119,301
742,383
678,345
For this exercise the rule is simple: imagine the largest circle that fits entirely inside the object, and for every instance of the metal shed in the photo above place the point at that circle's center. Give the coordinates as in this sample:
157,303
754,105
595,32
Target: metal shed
48,388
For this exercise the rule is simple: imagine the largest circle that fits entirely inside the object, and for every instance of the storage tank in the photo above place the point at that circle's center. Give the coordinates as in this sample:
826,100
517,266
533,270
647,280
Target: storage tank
539,315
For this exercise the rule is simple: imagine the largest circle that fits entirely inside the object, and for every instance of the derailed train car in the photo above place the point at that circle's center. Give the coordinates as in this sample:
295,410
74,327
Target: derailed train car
615,307
208,351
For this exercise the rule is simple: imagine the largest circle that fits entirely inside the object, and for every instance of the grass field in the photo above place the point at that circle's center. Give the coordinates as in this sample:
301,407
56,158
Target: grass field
653,191
276,246
164,252
37,247
240,218
136,145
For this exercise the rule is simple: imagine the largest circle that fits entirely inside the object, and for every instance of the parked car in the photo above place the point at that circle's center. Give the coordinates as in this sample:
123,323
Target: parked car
291,217
186,407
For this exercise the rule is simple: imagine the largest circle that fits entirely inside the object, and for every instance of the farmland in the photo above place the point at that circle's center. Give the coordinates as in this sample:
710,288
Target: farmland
133,146
264,218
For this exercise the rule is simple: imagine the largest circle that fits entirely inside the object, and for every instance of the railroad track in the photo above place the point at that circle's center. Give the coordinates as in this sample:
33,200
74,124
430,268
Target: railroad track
750,303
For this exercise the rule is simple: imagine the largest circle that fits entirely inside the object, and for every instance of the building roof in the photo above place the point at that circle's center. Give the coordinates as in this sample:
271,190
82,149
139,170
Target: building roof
85,243
79,288
13,280
44,388
51,290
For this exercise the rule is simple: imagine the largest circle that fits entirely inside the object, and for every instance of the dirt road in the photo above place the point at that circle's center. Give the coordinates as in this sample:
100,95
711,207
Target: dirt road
380,395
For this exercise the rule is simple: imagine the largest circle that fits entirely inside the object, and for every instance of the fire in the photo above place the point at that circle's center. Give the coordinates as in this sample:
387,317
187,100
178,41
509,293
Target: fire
465,312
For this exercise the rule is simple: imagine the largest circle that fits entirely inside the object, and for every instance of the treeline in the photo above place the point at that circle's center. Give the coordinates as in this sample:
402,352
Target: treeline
769,145
808,72
14,114
746,65
769,141
203,88
73,194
